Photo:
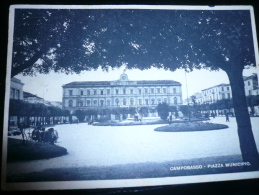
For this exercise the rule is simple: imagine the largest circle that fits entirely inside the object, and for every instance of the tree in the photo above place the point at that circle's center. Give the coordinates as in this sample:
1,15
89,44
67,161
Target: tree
163,110
80,115
169,39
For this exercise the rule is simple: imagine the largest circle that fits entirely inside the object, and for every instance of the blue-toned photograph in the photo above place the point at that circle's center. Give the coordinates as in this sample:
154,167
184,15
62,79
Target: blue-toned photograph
121,94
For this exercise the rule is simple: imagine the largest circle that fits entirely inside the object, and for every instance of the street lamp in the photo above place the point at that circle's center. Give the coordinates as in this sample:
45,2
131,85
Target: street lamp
189,117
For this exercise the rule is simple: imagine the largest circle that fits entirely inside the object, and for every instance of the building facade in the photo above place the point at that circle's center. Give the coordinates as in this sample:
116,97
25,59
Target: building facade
121,93
28,97
251,85
16,89
223,91
215,93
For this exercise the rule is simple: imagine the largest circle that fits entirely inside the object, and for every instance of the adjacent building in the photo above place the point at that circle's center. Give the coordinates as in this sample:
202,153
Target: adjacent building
28,97
16,89
218,92
223,91
251,85
121,93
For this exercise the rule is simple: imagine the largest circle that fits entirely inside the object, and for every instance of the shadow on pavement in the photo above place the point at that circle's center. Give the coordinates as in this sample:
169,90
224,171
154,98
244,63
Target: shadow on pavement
201,166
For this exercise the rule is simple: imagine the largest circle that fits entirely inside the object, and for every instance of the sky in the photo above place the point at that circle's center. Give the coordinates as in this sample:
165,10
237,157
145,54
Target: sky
49,86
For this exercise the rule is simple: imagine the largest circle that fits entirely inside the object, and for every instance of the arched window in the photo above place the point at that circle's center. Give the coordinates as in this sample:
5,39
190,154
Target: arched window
101,102
132,101
124,101
146,100
175,100
117,101
88,102
70,103
153,101
95,102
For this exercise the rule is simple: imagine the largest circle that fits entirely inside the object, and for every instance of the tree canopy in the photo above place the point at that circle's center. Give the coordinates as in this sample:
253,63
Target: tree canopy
74,40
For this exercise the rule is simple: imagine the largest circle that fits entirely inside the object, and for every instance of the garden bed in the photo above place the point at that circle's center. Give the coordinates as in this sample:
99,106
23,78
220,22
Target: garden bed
191,126
18,151
130,123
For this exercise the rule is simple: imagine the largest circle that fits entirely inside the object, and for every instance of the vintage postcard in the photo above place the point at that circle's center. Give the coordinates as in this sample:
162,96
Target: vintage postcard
127,96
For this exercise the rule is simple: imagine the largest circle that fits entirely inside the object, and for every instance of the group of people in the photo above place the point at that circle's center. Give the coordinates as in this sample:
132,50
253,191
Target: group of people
137,117
41,135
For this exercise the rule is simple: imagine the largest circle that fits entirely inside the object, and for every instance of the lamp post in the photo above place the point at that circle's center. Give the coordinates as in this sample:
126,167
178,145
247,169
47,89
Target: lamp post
189,117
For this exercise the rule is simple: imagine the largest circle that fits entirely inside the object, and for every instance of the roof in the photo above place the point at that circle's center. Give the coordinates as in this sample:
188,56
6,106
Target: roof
253,76
27,95
16,80
220,85
116,83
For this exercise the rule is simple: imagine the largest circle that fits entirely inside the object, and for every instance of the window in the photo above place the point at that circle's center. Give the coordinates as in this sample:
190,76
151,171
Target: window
70,92
248,83
250,92
159,101
124,102
124,91
146,91
222,88
175,100
95,92
95,102
153,101
80,104
227,88
18,94
108,102
140,101
164,90
131,91
174,90
139,91
70,103
152,90
165,100
117,91
117,101
131,101
101,92
88,92
223,96
101,102
108,91
81,92
88,102
158,90
146,100
13,93
228,95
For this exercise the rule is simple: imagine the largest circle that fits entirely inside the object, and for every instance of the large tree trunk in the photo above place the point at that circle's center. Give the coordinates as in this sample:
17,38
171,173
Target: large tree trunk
245,134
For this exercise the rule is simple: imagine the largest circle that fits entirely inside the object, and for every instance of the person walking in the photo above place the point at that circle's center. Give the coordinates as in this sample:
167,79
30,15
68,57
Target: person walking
227,118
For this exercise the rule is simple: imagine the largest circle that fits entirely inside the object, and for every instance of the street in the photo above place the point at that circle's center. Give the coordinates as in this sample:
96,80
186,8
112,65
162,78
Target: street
103,146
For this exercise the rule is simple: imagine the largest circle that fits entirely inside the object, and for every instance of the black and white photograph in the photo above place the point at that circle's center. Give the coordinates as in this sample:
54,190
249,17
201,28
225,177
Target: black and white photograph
108,96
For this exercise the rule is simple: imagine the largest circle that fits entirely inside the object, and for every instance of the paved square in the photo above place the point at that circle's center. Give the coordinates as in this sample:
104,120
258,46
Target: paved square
103,146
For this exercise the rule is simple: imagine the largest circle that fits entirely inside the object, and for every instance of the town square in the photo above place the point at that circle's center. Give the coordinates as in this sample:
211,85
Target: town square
89,146
156,92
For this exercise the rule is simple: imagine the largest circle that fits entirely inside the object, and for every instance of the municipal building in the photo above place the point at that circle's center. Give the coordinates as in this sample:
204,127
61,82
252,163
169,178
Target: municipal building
121,93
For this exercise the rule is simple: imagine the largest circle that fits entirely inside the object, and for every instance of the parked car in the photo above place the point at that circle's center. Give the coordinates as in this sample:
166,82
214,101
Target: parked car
14,131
